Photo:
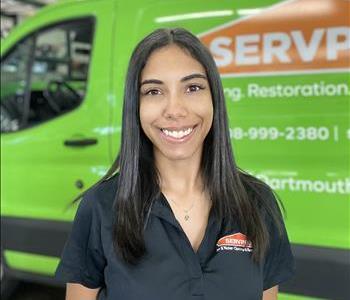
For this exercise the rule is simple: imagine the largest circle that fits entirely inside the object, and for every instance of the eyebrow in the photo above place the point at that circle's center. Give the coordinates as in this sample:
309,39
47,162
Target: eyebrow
195,75
186,78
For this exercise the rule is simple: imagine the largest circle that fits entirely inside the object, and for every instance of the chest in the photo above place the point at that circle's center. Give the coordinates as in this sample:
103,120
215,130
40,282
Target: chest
194,229
172,270
193,224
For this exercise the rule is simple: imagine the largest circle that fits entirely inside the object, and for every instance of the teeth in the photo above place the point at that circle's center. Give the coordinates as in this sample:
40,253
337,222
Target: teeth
178,134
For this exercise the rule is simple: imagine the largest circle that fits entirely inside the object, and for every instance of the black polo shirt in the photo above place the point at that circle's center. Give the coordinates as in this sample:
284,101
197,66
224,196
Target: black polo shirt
222,267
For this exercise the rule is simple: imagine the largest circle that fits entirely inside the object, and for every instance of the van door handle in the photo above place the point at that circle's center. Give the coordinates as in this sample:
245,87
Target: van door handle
80,142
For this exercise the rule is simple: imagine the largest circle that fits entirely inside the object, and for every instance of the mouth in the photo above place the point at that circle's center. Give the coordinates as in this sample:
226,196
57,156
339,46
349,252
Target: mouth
177,134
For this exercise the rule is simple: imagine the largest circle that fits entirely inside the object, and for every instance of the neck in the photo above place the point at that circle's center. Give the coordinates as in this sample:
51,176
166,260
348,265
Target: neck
180,177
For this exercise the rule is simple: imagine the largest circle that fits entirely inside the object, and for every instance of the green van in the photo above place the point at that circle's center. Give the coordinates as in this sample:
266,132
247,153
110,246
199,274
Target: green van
285,70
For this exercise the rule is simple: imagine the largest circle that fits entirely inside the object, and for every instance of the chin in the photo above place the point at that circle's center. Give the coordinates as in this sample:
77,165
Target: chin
178,155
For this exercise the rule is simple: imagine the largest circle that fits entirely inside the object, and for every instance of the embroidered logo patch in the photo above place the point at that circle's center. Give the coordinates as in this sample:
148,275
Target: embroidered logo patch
234,242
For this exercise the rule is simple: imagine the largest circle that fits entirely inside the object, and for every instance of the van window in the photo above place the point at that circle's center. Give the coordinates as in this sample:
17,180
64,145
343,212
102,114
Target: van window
14,83
53,75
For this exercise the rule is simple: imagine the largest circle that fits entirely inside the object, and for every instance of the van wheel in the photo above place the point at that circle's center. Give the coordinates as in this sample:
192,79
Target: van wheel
8,285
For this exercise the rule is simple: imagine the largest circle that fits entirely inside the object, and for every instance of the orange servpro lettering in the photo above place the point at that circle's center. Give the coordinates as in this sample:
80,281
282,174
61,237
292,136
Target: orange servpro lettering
235,240
297,35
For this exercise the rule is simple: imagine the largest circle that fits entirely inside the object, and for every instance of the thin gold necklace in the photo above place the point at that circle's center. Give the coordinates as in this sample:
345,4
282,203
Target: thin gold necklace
187,216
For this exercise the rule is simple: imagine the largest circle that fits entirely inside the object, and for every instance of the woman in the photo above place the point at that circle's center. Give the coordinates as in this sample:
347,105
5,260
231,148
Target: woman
175,217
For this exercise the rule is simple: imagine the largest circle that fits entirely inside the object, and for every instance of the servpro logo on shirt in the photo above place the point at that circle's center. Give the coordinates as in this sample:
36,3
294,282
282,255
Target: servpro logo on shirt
234,242
304,36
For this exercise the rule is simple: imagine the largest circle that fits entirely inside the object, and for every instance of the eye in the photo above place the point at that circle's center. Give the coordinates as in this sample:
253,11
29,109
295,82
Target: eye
152,92
195,88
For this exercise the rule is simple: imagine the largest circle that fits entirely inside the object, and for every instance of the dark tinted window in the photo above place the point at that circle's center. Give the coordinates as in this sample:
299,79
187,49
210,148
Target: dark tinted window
14,83
57,80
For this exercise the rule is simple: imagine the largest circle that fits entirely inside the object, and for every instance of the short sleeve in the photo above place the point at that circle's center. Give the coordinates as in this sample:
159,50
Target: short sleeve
279,265
82,260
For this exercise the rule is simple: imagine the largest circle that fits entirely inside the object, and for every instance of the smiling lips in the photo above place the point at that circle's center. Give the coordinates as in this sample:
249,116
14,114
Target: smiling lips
177,135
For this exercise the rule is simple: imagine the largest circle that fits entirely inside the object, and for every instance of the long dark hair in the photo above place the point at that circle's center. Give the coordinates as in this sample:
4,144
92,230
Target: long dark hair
235,194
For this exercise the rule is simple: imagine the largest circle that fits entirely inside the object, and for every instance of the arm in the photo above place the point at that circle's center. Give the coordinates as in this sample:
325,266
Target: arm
83,262
271,294
76,291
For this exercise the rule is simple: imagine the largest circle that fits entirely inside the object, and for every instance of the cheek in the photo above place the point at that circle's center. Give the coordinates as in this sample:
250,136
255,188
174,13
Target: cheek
210,117
143,116
206,111
148,113
210,110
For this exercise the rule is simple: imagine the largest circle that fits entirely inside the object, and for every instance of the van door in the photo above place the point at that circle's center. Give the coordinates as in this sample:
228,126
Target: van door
54,121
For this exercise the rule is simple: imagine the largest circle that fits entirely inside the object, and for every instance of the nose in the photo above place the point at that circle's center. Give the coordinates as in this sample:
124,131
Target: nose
175,107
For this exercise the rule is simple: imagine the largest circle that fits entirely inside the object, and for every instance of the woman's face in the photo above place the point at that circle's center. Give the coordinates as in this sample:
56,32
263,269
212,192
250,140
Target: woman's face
176,110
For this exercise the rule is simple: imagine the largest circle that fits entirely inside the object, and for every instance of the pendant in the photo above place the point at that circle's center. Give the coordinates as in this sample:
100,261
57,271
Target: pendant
187,217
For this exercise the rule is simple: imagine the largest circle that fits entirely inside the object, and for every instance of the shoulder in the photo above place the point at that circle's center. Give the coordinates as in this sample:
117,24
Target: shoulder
104,189
100,197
